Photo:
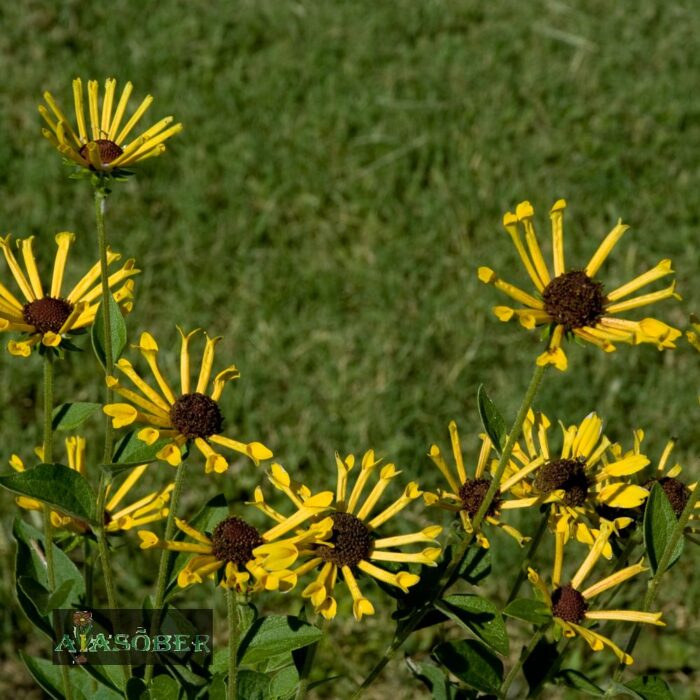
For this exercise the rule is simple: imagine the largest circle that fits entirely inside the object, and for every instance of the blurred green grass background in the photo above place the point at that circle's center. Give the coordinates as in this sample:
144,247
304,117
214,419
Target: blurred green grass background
343,172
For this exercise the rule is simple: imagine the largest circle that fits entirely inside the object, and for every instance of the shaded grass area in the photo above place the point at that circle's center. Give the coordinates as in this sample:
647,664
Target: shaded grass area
343,172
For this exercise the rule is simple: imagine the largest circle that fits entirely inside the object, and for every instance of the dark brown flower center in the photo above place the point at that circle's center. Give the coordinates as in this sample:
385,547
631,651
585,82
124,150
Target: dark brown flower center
568,475
574,300
234,540
472,493
351,539
568,604
47,314
196,416
676,492
109,151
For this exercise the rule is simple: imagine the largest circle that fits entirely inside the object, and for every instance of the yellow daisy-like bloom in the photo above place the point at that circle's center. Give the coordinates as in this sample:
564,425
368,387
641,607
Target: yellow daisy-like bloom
570,605
50,317
353,544
569,300
579,482
466,495
148,509
666,475
232,548
191,416
106,144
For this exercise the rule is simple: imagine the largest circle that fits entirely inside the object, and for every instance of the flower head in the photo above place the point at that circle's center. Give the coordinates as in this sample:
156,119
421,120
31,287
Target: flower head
353,544
190,416
104,142
569,300
147,509
47,316
232,549
580,482
570,606
466,495
666,475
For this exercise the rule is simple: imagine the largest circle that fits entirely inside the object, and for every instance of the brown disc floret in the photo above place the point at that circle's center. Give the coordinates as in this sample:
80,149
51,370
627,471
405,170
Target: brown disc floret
574,300
351,540
568,475
196,416
472,493
108,150
47,314
568,604
233,540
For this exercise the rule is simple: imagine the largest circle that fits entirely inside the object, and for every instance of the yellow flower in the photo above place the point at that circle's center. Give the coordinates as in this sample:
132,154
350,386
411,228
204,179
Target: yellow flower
570,605
105,144
50,317
570,301
353,544
232,547
666,475
145,510
466,495
579,482
191,416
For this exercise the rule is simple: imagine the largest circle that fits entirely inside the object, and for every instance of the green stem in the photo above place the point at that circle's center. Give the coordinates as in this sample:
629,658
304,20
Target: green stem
453,569
531,551
166,554
100,205
539,633
233,633
88,563
48,459
653,587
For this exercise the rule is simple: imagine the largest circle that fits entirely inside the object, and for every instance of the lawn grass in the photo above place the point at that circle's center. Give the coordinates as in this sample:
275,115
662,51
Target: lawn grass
343,172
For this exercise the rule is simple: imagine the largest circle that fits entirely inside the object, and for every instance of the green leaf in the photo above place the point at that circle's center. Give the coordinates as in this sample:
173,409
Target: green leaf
659,523
273,635
529,610
492,420
30,565
472,663
217,688
650,688
476,565
62,488
576,679
132,452
49,677
432,677
284,683
479,616
253,685
163,687
40,596
118,328
68,416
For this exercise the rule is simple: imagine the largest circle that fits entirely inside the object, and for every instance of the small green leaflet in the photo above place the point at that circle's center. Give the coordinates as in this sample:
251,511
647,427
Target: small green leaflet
492,420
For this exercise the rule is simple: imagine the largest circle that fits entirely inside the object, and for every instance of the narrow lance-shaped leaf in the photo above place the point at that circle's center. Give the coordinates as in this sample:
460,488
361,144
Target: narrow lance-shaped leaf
492,420
659,523
69,416
472,663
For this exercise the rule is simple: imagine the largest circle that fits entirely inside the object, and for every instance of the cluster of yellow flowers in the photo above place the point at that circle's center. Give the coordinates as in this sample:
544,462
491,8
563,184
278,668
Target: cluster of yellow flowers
585,487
